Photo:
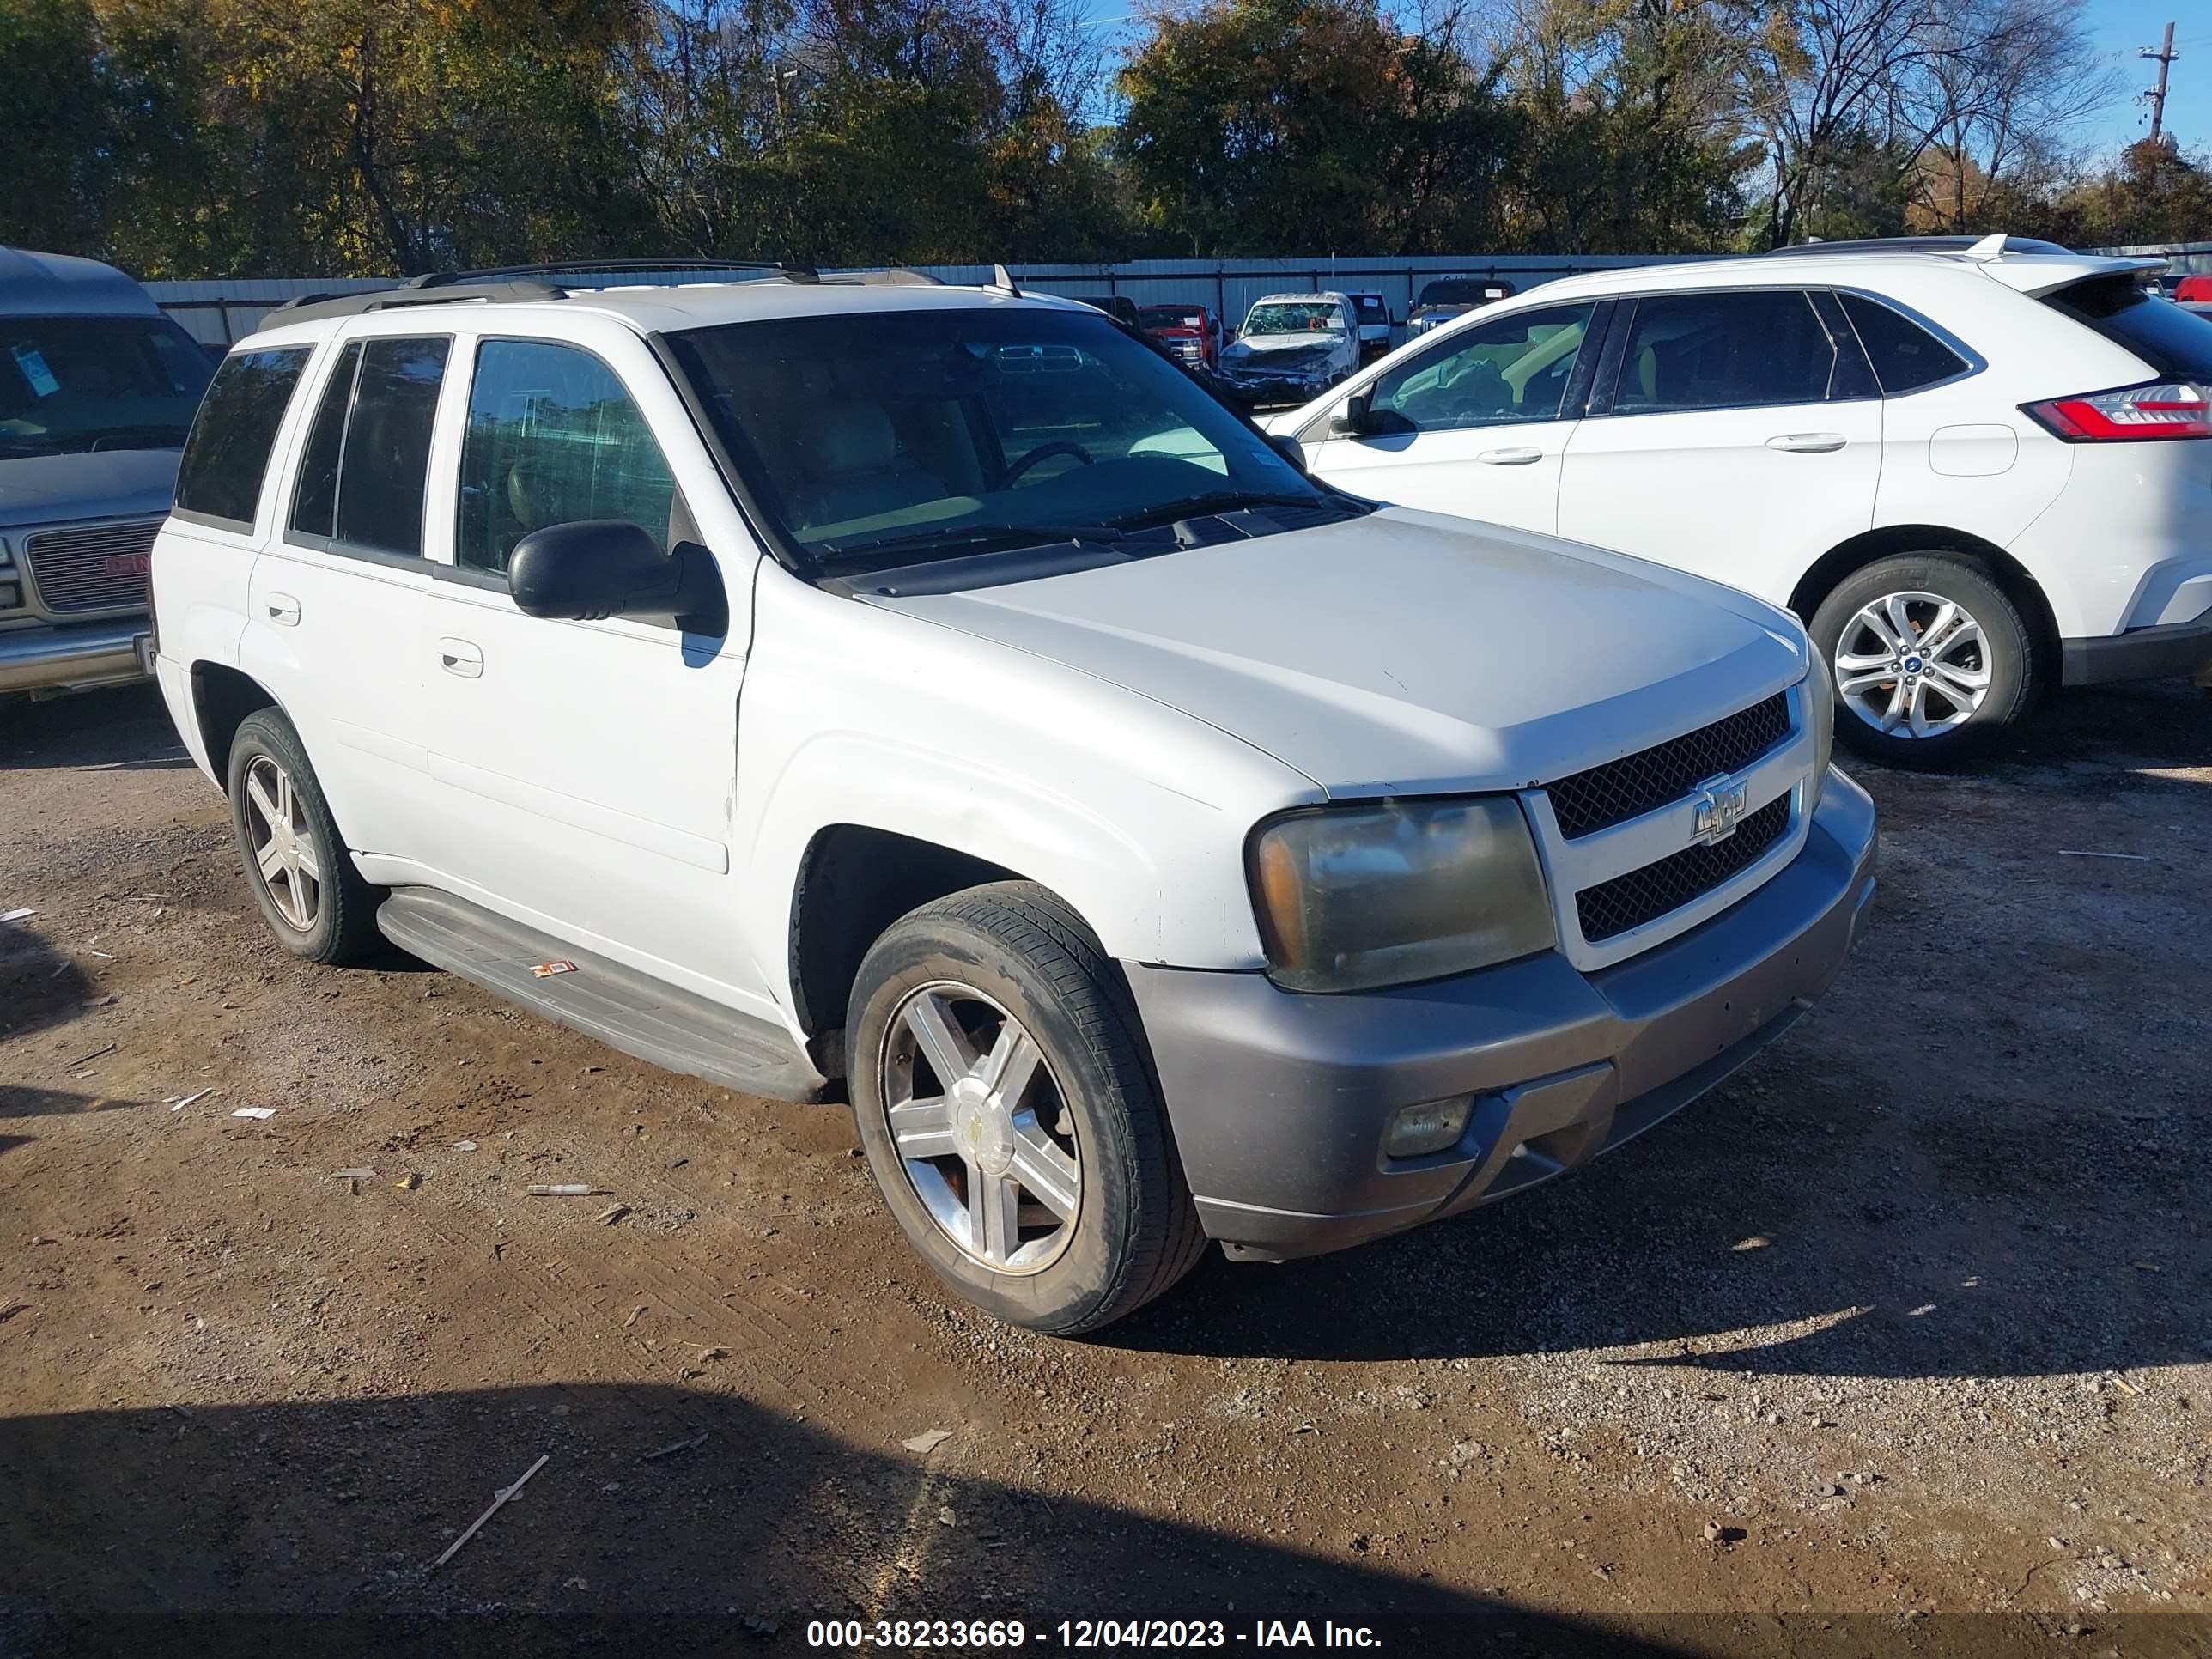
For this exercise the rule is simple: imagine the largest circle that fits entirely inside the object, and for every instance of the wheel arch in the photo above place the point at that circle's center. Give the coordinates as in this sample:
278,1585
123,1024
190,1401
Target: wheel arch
855,881
1890,541
222,699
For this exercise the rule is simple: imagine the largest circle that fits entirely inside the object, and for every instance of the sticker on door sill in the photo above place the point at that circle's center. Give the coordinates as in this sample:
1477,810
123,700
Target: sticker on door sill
547,970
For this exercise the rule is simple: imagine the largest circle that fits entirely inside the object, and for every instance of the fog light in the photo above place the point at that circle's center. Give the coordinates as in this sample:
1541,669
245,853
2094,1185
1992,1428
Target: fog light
1428,1127
11,596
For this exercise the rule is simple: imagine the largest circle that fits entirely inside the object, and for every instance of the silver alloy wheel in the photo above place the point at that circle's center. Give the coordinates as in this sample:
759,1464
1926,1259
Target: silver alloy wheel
1912,664
284,846
977,1119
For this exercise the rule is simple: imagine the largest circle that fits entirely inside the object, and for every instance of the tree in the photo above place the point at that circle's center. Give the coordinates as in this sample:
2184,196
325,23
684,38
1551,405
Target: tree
1312,125
1635,136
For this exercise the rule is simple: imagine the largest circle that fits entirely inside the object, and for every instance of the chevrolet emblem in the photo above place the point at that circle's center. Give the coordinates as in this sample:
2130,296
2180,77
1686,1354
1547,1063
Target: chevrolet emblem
1720,803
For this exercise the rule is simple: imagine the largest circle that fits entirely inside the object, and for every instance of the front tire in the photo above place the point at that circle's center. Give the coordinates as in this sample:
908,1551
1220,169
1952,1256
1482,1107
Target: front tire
1932,659
313,898
1008,1116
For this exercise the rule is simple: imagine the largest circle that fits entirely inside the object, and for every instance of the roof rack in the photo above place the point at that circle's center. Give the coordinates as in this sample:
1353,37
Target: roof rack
589,267
892,276
513,283
1984,248
415,292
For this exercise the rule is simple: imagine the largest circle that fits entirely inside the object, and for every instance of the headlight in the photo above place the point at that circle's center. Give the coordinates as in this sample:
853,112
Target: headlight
1350,898
1820,710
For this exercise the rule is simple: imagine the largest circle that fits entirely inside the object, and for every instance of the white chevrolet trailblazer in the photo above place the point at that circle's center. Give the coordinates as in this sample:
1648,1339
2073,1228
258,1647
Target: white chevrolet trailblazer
934,695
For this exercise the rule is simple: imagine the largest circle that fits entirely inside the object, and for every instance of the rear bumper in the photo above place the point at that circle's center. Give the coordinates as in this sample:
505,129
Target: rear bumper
2141,653
75,656
1278,1102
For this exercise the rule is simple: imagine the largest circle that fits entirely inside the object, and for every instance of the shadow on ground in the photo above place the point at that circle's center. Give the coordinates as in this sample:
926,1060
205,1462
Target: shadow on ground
1840,1260
291,1527
39,986
126,728
21,1101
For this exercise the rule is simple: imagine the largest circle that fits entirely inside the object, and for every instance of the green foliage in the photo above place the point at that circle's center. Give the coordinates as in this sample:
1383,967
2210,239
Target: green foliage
1259,125
195,137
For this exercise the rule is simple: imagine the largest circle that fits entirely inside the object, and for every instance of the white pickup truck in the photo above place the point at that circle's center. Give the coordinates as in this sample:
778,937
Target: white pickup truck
935,695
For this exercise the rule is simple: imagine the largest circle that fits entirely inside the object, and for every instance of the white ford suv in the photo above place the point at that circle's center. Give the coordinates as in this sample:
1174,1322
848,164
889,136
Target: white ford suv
1979,469
935,693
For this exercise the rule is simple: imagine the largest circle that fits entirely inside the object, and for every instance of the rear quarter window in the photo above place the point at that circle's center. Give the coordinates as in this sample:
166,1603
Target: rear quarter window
219,478
1905,357
2176,343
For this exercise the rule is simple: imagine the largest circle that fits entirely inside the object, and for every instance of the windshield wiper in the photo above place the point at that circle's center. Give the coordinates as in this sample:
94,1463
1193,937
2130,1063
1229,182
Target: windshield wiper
977,538
1220,500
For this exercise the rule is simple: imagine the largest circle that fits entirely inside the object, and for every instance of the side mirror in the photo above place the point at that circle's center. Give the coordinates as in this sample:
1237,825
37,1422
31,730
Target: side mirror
599,568
1358,418
1289,448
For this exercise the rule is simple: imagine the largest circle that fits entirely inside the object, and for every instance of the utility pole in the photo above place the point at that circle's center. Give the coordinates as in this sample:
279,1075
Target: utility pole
2165,54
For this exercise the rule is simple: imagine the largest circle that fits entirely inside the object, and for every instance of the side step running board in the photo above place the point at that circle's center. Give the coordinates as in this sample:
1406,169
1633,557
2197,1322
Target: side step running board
621,1007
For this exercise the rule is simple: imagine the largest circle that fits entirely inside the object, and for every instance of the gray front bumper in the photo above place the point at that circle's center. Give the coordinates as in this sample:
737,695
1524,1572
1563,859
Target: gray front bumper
73,656
1279,1101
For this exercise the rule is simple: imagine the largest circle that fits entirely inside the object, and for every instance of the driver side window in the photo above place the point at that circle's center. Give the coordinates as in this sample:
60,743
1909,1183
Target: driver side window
1515,369
552,439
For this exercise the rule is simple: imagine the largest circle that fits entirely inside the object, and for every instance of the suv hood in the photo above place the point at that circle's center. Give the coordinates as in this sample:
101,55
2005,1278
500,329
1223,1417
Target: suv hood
1404,652
1264,352
105,483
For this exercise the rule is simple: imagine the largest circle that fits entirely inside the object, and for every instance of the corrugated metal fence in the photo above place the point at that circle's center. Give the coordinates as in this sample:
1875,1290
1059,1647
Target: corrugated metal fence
221,311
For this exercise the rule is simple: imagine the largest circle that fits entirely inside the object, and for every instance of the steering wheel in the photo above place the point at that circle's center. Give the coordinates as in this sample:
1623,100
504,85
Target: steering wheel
1045,452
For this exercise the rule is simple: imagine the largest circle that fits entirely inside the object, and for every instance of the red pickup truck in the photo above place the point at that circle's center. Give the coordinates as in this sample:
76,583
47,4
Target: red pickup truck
1191,332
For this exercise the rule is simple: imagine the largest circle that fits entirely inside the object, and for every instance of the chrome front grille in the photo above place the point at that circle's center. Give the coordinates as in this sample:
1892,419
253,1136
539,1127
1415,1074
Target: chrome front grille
1641,849
102,567
1627,788
1626,902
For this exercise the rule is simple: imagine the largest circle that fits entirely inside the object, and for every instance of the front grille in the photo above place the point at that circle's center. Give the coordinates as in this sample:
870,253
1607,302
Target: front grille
1627,788
102,567
1613,908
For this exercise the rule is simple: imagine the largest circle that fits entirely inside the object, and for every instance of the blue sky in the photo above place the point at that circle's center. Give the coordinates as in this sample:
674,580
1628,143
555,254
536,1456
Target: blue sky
2117,27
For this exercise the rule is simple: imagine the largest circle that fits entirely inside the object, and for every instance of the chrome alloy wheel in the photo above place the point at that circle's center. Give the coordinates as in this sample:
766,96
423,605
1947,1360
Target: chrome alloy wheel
977,1119
1912,664
276,820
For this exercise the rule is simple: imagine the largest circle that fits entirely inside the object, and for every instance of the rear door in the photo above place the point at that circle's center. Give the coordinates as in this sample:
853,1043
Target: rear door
1740,438
336,600
1475,425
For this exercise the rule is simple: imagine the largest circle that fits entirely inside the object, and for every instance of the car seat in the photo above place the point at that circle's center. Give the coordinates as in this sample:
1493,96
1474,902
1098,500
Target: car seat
857,469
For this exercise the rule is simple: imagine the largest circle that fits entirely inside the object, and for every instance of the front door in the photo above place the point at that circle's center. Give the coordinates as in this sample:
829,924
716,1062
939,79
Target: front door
587,768
1476,425
1743,439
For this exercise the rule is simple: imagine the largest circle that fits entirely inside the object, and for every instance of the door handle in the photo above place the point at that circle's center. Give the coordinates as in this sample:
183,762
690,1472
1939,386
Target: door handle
1510,457
1807,443
462,658
283,610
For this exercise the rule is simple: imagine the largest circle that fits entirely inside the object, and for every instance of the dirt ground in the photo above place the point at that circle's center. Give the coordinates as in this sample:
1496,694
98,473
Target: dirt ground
1898,1341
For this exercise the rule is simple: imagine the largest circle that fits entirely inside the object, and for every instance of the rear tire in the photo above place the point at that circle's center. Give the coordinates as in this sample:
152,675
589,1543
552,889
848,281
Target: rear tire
1097,1219
1932,659
313,898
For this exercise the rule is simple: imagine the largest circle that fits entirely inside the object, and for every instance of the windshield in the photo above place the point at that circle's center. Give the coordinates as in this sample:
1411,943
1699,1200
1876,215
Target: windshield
1171,317
901,437
1372,308
1294,317
78,383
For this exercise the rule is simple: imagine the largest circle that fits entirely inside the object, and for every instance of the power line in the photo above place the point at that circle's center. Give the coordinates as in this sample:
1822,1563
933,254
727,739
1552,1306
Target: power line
2164,56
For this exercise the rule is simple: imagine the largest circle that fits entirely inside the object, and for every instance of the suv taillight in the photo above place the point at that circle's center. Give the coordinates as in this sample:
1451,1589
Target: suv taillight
2131,415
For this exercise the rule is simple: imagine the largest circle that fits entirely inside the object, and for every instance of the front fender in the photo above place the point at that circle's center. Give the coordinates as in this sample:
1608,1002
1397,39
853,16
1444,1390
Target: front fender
1135,814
